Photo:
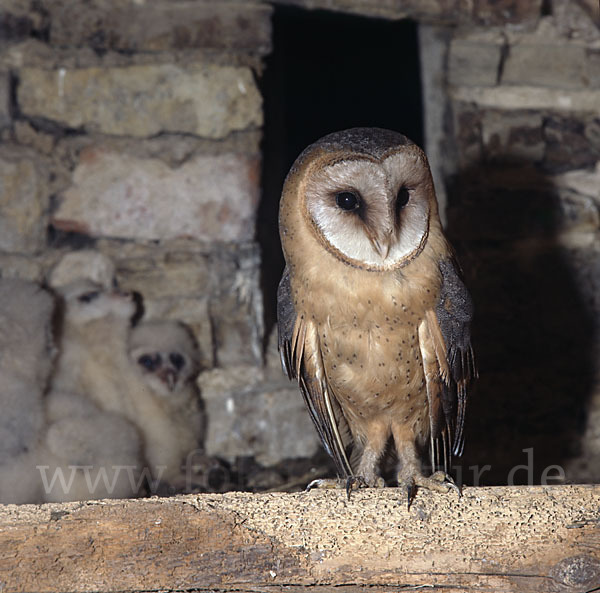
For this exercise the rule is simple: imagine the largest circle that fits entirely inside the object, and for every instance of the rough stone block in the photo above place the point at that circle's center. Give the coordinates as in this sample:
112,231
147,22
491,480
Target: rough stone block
5,115
500,12
567,146
512,136
205,99
208,198
24,200
473,63
552,65
578,214
488,12
249,416
162,25
467,125
577,20
26,135
157,278
593,68
592,132
14,265
586,182
529,97
236,307
15,21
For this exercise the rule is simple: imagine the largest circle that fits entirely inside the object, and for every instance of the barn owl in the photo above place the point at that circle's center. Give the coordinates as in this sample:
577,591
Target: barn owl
93,357
373,316
166,358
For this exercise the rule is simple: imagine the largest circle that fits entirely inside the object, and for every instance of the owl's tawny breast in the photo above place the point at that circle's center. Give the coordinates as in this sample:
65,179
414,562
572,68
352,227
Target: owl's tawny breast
369,343
375,369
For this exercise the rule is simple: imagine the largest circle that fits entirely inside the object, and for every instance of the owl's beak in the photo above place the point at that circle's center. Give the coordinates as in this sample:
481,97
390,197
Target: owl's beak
382,243
169,377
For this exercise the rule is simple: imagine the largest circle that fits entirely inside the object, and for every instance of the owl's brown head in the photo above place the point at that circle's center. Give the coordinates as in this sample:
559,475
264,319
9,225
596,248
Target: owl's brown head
367,195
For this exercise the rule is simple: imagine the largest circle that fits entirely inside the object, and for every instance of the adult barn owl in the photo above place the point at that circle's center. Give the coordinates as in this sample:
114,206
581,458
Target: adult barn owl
373,317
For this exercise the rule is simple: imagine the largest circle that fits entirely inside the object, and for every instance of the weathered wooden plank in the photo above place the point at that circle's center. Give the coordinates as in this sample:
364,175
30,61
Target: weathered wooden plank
492,539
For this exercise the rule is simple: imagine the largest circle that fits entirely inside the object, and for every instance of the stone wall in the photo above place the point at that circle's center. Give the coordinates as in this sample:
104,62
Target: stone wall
523,173
135,128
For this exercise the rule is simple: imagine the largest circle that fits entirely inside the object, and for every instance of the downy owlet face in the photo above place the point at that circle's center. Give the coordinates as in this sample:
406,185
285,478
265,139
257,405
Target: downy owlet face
86,302
165,354
373,316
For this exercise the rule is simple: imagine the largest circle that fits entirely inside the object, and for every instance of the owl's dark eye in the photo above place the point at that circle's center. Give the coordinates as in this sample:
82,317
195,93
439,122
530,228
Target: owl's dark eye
149,362
402,198
347,200
88,297
177,360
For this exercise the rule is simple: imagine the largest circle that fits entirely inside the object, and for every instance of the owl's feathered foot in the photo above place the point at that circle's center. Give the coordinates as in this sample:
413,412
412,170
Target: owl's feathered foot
412,479
348,484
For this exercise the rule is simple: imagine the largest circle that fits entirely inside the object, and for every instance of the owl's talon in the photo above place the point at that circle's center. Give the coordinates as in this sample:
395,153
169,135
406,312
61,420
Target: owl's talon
437,482
447,481
354,483
328,483
349,484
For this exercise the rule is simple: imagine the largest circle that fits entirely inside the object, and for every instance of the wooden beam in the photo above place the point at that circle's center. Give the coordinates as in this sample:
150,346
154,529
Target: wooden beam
543,538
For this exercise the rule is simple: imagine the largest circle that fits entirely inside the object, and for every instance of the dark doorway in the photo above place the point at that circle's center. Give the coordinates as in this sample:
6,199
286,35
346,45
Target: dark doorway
329,71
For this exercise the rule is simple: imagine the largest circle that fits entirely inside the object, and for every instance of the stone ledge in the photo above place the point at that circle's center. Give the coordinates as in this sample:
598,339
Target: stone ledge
528,97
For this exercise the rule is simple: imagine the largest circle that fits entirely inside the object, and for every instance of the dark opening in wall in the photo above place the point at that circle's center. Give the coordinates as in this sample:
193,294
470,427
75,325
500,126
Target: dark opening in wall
329,71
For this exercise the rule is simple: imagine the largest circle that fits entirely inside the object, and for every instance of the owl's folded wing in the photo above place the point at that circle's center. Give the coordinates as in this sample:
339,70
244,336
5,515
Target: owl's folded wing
301,359
448,360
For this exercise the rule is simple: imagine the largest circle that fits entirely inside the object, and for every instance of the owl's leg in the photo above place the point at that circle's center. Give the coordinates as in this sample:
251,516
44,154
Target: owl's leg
410,475
368,466
375,437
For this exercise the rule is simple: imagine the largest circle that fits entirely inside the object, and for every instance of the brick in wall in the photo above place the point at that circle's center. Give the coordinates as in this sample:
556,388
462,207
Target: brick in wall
208,198
204,99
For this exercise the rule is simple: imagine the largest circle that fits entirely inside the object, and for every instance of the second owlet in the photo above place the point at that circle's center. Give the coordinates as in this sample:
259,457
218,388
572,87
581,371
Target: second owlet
169,413
373,317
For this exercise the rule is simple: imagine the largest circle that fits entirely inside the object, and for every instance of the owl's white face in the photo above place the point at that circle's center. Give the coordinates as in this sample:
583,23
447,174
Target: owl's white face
372,213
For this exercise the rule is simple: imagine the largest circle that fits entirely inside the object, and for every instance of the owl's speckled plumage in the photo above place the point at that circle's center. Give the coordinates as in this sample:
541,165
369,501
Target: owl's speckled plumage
373,317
